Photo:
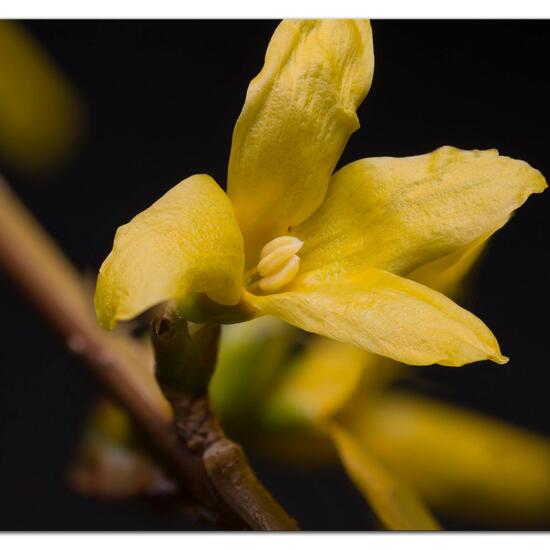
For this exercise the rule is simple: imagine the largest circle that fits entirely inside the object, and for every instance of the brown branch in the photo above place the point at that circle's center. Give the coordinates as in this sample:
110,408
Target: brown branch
237,484
47,279
184,366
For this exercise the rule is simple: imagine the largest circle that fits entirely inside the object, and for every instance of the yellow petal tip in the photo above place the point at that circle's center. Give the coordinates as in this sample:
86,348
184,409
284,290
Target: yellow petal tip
538,181
500,359
543,184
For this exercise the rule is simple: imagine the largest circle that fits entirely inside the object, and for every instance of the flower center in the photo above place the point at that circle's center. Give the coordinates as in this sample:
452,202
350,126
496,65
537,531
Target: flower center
278,264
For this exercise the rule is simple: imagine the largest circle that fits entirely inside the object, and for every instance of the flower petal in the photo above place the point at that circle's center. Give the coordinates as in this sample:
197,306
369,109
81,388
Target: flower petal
298,115
465,465
316,384
397,214
388,315
397,507
187,241
448,273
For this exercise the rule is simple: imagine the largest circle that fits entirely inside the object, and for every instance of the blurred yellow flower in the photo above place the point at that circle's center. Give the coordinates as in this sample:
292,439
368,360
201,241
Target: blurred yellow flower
408,454
41,117
465,466
413,458
329,253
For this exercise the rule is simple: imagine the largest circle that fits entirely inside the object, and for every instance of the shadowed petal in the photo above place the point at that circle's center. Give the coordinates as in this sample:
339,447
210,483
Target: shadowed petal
394,503
317,383
464,464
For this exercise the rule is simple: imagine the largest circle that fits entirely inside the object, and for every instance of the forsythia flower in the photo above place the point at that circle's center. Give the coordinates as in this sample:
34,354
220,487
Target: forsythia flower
42,118
333,254
409,455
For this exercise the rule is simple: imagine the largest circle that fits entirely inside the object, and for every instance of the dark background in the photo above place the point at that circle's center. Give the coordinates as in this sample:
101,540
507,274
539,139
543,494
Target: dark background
162,98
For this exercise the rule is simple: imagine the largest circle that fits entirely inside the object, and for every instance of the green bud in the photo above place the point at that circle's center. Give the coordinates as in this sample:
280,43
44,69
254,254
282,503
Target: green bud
185,354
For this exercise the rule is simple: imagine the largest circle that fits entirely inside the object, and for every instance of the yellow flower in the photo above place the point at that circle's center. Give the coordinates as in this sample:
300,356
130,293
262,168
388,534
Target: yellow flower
465,466
330,253
42,119
412,457
409,455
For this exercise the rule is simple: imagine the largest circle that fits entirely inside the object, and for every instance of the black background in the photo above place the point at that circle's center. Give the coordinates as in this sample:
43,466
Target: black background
162,98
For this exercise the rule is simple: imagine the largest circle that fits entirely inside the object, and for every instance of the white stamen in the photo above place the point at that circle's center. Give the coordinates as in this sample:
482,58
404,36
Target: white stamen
273,261
279,241
278,264
281,278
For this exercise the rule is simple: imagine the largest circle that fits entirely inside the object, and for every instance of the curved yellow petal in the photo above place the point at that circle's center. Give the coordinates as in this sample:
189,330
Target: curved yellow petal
298,115
317,383
388,315
395,504
397,214
187,241
465,465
